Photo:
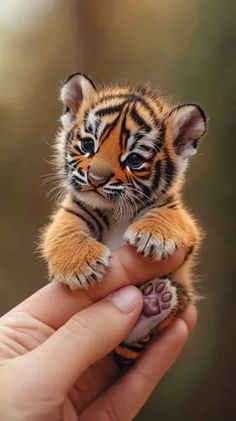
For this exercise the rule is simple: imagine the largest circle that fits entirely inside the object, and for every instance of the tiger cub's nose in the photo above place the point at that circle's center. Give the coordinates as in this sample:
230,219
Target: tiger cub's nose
98,180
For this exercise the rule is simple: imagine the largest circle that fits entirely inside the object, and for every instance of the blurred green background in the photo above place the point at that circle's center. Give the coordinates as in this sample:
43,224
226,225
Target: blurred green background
188,48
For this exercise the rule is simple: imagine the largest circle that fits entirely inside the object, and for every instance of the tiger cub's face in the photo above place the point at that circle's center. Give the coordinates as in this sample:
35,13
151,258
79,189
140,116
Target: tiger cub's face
122,147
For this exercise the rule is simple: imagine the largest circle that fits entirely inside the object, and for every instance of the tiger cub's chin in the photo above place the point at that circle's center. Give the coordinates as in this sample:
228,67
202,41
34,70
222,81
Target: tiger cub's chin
94,200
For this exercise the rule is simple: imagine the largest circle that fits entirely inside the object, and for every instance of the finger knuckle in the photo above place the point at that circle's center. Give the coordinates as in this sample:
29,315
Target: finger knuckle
125,269
109,413
80,323
142,378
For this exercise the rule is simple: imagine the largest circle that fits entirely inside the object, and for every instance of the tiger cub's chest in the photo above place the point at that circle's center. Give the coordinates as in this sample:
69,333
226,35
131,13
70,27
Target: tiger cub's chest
114,236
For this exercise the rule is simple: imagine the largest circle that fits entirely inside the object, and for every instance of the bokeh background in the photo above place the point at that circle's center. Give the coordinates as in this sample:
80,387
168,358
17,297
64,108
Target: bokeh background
188,48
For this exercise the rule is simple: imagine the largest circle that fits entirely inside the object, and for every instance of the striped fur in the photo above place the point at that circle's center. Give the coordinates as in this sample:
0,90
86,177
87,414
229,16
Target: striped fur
130,118
121,157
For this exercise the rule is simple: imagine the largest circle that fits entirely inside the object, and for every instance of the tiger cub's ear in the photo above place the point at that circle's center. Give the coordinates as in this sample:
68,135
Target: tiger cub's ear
76,88
189,125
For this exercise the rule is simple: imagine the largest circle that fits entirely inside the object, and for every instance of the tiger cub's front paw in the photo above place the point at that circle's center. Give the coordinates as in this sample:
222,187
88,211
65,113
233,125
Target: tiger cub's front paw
84,267
149,243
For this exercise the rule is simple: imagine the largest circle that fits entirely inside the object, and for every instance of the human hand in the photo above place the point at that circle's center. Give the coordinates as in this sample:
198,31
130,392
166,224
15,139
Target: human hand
55,361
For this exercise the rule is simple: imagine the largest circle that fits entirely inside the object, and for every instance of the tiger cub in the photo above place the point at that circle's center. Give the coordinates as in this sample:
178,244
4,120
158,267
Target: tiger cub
122,154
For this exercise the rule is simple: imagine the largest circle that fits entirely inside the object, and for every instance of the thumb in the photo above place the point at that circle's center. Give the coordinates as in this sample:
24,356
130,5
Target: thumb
87,337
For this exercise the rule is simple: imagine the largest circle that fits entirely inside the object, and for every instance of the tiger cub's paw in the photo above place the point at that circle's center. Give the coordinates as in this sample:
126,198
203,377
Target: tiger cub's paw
86,267
162,301
149,243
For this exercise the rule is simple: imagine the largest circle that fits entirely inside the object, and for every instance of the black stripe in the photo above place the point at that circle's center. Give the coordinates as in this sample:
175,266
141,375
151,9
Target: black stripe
109,128
173,206
167,201
76,159
110,110
97,124
169,172
157,175
125,135
77,277
117,183
73,212
134,348
123,125
103,217
88,127
69,136
100,227
132,146
137,98
139,120
142,207
143,147
67,167
161,136
122,361
124,132
108,97
76,184
90,214
146,191
77,149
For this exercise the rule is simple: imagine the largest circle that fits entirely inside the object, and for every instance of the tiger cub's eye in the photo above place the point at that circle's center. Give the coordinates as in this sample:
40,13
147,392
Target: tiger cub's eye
87,145
134,160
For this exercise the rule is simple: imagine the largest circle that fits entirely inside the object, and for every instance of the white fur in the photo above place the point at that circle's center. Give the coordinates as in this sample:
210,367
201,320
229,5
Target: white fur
114,237
93,199
148,139
67,120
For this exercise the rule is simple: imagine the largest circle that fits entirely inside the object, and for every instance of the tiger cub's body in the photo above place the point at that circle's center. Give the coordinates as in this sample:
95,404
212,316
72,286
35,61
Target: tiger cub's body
122,156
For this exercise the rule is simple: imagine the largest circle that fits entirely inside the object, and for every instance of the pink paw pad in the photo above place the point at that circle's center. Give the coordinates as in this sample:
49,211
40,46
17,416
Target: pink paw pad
156,298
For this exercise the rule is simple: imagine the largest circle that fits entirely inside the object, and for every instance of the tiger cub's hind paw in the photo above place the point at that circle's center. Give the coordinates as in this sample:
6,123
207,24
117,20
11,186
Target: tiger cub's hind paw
162,302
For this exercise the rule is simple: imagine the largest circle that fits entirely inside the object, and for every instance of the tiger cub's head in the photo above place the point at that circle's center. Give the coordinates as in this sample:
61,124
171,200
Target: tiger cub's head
124,147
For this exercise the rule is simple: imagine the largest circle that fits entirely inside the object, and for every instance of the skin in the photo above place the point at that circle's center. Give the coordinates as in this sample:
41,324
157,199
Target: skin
55,361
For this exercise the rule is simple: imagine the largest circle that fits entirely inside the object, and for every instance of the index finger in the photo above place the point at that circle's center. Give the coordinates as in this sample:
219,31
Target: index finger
55,303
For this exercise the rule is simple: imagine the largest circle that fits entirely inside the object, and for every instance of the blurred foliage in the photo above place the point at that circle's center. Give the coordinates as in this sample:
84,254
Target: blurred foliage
188,48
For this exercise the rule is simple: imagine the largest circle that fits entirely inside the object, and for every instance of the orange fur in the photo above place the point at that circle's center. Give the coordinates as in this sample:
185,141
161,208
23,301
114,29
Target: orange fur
179,227
69,248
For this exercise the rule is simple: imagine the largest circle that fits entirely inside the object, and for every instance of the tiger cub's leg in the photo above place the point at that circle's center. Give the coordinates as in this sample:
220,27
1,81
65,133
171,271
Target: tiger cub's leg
163,300
158,234
73,255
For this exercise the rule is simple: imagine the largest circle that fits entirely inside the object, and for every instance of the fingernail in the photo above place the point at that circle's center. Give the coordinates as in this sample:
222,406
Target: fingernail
126,299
